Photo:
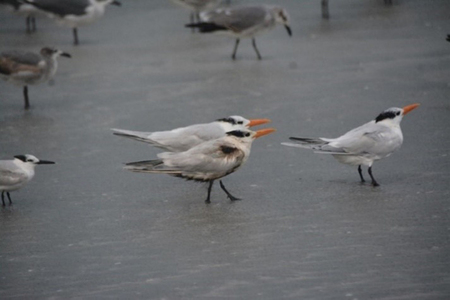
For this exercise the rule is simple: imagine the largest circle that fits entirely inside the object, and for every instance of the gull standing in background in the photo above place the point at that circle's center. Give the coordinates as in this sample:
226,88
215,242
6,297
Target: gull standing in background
205,162
196,6
16,173
21,8
242,22
184,138
363,145
25,68
73,13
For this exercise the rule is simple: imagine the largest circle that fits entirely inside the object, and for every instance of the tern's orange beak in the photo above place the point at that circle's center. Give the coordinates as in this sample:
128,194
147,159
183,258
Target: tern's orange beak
263,132
256,122
409,108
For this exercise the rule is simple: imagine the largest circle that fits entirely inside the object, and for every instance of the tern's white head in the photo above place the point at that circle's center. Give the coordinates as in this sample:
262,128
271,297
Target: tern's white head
395,114
31,160
233,122
282,17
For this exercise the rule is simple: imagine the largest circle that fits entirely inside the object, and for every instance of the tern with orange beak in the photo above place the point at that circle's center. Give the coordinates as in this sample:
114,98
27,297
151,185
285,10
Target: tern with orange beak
205,162
184,138
363,145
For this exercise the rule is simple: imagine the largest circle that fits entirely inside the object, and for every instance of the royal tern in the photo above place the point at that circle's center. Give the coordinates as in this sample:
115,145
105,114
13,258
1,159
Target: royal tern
184,138
28,68
242,22
363,145
24,9
73,13
205,162
196,6
17,172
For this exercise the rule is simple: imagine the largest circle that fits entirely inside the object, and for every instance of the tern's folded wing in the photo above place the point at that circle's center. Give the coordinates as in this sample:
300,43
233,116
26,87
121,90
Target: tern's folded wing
10,175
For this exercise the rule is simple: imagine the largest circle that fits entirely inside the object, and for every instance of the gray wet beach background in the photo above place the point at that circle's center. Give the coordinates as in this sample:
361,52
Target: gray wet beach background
305,229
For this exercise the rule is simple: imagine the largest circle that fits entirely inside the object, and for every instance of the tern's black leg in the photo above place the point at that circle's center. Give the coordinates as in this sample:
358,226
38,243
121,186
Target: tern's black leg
325,11
33,23
3,198
25,95
233,56
374,182
9,197
209,192
256,49
360,174
231,197
75,36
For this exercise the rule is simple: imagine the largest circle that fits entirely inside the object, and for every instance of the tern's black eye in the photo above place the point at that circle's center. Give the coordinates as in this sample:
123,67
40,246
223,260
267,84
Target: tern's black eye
398,113
247,134
240,122
29,160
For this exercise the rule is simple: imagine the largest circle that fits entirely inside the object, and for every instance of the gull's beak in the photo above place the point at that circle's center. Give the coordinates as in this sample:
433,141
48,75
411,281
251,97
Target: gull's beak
256,122
263,132
65,54
45,162
116,3
288,29
409,108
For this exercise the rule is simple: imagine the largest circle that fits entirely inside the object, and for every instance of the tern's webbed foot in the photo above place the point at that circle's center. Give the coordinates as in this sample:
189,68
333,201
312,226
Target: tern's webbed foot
374,182
231,197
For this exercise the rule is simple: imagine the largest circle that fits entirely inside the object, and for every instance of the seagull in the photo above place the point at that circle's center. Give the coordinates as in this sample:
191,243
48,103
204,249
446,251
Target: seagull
242,22
196,6
17,172
25,68
73,13
184,138
363,145
207,161
29,11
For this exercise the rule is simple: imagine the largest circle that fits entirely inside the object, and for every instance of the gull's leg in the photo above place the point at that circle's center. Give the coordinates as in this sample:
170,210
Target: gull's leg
256,49
28,23
9,197
209,192
25,95
360,174
75,36
374,182
231,197
33,23
233,56
3,198
325,11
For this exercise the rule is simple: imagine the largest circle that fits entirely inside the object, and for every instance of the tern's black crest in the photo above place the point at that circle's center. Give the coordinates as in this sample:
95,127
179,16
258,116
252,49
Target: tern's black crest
21,157
227,120
238,133
386,115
